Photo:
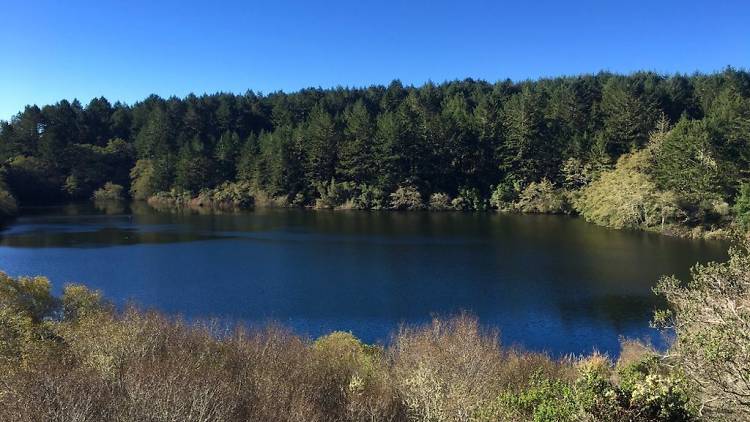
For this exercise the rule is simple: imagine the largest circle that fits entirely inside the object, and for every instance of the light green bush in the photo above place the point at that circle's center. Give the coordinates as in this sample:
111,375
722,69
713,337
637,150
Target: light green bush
626,198
406,197
542,198
440,201
109,192
469,200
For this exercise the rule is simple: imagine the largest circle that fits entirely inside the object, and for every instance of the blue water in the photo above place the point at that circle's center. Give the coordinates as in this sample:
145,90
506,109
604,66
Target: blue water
549,283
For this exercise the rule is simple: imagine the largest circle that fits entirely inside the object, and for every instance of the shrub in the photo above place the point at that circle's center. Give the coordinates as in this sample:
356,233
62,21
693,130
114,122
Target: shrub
541,198
78,302
332,194
228,195
406,197
742,206
468,200
109,192
170,199
504,194
369,198
544,400
626,198
450,369
440,202
710,315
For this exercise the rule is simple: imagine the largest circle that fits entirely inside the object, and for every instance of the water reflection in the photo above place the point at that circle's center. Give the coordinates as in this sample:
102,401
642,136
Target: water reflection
551,283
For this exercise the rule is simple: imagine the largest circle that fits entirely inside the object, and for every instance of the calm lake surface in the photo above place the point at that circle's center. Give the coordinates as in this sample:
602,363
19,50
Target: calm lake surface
548,283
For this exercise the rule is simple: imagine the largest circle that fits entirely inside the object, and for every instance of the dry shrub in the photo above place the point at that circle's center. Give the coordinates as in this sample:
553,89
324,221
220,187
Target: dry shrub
273,376
449,369
369,393
47,392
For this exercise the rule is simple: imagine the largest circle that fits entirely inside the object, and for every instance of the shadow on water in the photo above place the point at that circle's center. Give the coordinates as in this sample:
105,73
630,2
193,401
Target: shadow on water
548,282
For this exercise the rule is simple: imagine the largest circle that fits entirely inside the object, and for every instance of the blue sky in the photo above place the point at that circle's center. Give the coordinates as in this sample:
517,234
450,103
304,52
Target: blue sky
126,50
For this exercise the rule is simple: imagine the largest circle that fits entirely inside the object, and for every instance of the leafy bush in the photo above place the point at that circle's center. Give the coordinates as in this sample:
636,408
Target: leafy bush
440,202
742,206
369,198
406,197
170,199
333,194
541,198
109,192
504,194
468,200
626,198
228,195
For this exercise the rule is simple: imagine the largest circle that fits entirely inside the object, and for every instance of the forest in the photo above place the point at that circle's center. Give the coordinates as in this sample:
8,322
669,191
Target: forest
669,153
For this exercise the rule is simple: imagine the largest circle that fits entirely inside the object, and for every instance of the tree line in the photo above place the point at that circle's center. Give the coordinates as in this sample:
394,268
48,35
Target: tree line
464,144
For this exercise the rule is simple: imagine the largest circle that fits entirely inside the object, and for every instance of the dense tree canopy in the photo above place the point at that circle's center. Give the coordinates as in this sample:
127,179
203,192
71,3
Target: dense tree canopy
452,138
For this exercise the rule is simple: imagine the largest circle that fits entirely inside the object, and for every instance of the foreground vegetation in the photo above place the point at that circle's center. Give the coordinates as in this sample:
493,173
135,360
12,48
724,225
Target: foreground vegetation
78,358
676,147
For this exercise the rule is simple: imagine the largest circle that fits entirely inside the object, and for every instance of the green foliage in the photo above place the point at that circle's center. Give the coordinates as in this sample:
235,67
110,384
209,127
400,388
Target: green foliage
406,198
625,197
29,296
468,200
440,202
686,163
504,194
148,177
476,142
541,197
109,192
238,195
742,206
544,400
333,195
8,205
31,179
80,302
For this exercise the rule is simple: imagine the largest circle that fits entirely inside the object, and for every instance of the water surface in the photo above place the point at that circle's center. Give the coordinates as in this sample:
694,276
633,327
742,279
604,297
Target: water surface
548,283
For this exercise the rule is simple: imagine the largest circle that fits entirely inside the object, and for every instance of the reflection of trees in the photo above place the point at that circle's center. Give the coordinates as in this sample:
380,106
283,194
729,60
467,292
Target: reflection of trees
110,207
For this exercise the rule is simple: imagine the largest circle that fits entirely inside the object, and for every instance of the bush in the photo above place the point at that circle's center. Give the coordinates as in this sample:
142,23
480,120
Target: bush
440,202
742,206
406,198
109,192
468,200
544,400
369,198
710,315
504,194
541,198
626,198
228,195
332,194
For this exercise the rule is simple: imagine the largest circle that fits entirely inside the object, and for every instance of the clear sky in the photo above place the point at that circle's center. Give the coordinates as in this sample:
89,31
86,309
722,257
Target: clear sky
126,50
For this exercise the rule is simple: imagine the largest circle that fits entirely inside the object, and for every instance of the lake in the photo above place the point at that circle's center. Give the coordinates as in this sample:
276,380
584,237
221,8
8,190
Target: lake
549,283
